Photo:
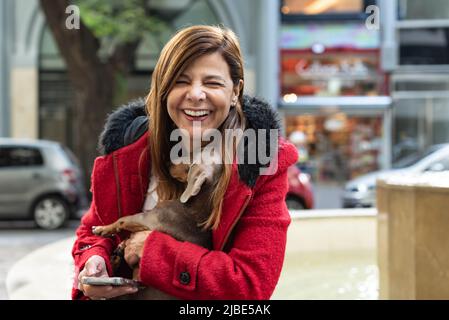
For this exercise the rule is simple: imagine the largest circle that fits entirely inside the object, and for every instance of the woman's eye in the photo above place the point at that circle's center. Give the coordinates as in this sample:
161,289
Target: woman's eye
181,82
214,84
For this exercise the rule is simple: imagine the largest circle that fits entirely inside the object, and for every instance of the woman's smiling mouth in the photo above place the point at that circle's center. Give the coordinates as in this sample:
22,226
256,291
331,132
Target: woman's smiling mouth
196,115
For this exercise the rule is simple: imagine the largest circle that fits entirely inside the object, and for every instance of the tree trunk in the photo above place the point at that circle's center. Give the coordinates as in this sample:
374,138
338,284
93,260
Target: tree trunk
93,102
93,79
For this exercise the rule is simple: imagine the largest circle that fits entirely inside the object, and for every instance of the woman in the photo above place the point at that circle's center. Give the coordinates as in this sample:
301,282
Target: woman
199,77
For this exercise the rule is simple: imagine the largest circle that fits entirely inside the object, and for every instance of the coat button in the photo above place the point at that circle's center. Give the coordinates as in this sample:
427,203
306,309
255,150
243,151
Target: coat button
184,277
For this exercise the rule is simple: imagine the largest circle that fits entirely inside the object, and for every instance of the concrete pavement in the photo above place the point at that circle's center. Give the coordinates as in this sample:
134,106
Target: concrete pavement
44,274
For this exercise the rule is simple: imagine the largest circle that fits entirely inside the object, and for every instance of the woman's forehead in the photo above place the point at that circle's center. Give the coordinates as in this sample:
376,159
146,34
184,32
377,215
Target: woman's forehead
208,66
208,60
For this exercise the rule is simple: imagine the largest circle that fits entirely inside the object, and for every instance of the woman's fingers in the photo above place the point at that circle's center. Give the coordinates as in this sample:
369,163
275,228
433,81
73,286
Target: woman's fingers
134,247
95,266
107,292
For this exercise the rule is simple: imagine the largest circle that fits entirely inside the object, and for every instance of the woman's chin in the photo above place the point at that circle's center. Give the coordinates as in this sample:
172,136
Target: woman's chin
196,132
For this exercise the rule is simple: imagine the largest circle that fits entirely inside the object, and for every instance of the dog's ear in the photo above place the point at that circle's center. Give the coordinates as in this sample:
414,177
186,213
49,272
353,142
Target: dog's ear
195,180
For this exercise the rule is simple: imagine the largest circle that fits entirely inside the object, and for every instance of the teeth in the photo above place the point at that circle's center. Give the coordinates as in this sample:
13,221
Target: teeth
196,113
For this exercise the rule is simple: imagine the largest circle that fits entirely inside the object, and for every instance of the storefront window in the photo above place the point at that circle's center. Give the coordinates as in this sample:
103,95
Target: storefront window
409,132
422,10
339,146
421,113
315,7
424,46
418,124
440,126
332,74
330,59
410,82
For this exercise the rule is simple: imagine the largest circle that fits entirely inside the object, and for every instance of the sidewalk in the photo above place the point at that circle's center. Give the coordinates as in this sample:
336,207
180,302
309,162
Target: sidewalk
44,274
331,254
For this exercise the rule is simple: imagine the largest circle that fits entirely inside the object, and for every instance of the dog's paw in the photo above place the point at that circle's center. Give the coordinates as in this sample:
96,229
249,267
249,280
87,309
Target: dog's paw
101,231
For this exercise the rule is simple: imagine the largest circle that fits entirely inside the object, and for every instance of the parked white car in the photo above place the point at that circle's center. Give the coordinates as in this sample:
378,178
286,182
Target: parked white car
361,192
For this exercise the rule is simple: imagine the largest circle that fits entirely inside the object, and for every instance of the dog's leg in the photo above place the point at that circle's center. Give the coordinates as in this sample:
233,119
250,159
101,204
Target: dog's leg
118,256
133,223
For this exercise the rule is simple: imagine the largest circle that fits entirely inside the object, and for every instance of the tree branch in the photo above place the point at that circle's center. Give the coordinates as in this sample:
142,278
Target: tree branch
124,57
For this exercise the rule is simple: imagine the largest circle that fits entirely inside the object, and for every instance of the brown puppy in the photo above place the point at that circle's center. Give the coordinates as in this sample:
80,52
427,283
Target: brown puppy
179,218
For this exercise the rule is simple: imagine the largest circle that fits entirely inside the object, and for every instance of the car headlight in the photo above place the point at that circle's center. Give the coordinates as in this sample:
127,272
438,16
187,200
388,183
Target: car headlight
359,188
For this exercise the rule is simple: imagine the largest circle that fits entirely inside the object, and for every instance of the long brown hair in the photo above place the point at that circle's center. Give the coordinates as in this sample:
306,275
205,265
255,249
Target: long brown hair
181,50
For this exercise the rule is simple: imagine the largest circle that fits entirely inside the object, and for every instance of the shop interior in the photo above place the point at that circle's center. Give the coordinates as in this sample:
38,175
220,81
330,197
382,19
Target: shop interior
336,146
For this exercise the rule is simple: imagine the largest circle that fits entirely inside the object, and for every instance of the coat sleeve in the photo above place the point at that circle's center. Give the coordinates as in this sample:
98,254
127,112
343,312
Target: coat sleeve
252,266
87,244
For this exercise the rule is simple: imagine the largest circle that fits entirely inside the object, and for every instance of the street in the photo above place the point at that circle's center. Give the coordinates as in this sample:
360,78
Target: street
19,238
328,195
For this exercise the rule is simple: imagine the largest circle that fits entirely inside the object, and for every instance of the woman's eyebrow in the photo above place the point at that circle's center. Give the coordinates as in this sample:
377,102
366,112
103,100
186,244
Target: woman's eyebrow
214,77
208,77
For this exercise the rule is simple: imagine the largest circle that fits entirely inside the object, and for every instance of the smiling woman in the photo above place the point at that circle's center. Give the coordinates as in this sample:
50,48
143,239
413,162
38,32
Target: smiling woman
198,80
200,70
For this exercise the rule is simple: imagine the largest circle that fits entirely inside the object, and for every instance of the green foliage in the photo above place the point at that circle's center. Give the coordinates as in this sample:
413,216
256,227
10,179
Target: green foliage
118,21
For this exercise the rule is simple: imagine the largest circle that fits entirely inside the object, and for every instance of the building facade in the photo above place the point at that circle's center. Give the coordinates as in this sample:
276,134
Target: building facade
36,94
333,90
419,82
359,98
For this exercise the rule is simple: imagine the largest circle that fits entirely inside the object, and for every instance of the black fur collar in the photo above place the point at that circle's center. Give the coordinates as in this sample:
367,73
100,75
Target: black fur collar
126,124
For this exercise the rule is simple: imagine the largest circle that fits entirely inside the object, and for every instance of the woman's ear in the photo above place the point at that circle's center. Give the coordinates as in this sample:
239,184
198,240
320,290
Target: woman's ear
236,92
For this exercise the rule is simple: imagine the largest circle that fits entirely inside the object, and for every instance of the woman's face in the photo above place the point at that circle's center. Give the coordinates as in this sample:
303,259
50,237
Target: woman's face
202,94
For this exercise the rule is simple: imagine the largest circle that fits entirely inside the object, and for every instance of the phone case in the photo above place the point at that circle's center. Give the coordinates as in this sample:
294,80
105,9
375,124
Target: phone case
108,281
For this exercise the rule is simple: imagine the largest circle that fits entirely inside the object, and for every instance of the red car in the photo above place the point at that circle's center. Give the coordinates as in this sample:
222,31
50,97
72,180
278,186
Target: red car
300,194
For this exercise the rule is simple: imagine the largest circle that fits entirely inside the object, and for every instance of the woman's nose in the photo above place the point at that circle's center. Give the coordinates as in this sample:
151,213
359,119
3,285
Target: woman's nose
196,93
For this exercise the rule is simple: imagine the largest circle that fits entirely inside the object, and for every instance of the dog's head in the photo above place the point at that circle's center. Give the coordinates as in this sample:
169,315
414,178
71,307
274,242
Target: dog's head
180,171
196,175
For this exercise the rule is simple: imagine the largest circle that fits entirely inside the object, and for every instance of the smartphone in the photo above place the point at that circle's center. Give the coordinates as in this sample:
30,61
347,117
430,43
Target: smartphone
109,281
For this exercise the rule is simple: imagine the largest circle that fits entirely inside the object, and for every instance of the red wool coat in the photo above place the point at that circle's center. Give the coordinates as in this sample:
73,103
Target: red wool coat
248,246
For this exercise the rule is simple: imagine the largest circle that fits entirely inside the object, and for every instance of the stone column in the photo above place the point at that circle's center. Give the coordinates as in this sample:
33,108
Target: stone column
413,237
267,66
27,25
5,42
389,44
24,102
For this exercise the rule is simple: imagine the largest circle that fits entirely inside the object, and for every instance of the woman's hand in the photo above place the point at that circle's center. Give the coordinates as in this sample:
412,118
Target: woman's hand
96,267
134,247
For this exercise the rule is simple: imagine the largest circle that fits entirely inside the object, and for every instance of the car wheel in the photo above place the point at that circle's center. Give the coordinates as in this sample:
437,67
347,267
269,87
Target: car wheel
294,203
50,213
